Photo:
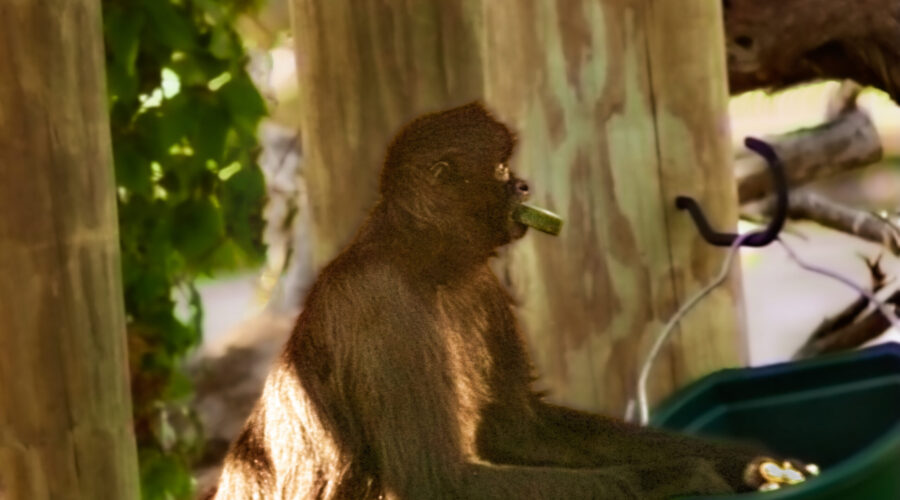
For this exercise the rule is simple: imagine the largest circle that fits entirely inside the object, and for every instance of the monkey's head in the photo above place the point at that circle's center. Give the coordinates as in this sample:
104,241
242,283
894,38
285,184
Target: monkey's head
448,175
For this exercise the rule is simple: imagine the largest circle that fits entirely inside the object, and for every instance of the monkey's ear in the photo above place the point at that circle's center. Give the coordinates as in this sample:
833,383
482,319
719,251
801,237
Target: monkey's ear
437,169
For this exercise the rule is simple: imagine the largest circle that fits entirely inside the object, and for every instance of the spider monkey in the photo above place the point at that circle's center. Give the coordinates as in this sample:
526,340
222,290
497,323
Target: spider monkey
406,375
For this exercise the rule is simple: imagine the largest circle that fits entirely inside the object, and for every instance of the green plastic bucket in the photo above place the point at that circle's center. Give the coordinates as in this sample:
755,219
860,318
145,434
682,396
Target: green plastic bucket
840,411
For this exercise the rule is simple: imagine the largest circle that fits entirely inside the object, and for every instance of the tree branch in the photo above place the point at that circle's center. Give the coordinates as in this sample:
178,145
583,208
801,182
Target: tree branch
847,142
778,43
805,204
852,335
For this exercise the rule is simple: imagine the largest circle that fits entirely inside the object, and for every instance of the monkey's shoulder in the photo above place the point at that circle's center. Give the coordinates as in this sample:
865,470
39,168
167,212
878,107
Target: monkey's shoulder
360,286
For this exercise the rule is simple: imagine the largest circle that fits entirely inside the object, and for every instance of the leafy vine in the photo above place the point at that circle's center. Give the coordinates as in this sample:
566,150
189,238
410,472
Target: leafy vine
183,115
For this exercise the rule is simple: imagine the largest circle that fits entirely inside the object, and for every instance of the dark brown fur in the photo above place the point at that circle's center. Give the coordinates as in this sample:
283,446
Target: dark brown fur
406,376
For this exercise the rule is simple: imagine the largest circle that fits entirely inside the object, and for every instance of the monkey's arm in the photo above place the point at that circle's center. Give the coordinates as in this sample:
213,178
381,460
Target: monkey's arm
550,434
640,443
519,428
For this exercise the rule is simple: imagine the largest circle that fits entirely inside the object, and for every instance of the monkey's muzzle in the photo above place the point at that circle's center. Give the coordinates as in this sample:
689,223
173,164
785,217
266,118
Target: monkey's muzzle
543,220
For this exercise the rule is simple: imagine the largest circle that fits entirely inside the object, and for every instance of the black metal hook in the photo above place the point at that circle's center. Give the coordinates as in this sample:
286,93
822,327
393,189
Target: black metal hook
759,238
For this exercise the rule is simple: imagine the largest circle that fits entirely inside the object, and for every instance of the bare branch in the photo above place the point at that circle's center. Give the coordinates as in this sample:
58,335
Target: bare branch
852,335
847,142
806,204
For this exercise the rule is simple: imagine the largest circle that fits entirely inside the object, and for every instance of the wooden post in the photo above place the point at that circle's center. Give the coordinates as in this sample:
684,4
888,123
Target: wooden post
365,68
65,407
621,106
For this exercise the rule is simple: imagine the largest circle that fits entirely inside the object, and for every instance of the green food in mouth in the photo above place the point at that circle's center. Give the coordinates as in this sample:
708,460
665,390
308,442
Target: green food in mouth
538,218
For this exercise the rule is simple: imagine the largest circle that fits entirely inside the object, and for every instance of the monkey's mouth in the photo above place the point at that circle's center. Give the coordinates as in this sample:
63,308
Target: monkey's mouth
516,229
541,219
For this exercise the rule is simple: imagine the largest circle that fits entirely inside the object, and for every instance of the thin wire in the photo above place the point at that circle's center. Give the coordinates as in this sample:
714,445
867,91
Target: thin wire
726,268
882,307
643,409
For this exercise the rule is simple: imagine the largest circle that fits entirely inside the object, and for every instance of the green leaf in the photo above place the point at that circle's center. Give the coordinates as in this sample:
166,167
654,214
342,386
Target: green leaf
244,102
164,476
180,387
151,136
214,10
243,196
228,256
223,43
198,68
199,228
210,127
122,85
172,25
175,120
132,169
122,29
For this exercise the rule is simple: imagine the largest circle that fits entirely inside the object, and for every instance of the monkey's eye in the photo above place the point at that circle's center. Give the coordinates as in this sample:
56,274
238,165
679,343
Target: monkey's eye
501,172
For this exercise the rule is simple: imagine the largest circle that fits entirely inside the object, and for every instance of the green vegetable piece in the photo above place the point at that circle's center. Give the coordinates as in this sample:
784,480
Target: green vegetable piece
538,218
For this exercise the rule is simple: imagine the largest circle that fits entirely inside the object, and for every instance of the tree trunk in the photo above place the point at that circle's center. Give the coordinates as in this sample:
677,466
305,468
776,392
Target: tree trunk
65,407
777,43
366,67
621,106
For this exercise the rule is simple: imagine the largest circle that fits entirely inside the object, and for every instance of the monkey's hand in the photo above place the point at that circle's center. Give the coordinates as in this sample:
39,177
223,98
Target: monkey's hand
768,474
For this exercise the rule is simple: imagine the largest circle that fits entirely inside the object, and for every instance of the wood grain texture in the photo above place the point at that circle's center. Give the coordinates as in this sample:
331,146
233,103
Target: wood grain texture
65,408
366,68
621,106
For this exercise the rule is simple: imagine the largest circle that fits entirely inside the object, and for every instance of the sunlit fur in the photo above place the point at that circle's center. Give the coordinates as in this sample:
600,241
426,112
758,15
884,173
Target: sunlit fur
406,376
